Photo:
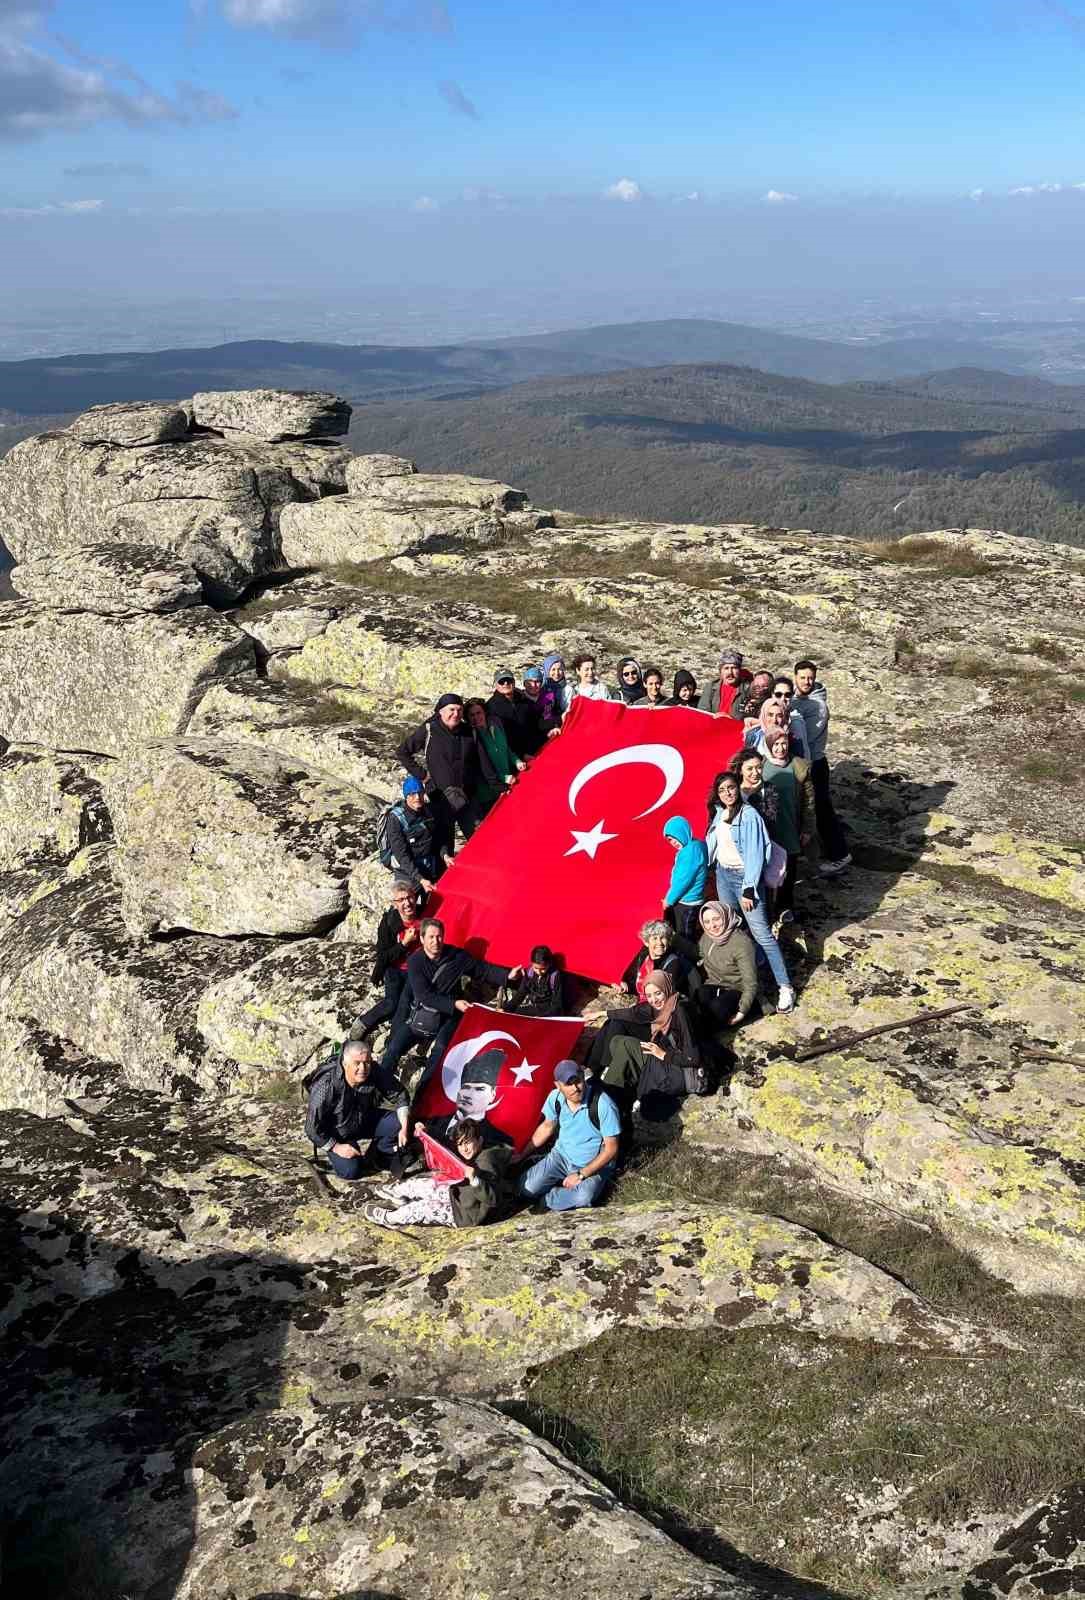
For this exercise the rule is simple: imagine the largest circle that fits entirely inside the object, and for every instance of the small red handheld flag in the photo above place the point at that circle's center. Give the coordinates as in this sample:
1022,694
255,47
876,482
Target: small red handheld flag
574,855
500,1066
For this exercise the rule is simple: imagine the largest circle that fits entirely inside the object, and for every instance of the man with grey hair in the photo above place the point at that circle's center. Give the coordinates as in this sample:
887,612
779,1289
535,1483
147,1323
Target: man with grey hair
718,696
353,1101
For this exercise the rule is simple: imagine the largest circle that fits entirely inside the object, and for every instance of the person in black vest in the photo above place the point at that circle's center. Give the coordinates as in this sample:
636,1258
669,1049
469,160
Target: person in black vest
410,844
444,752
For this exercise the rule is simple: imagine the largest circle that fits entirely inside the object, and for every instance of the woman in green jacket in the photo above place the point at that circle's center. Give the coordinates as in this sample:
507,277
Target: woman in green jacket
789,777
491,736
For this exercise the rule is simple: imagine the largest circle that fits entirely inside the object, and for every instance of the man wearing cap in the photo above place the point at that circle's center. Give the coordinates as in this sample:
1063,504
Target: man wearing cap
518,714
444,753
579,1168
410,838
717,697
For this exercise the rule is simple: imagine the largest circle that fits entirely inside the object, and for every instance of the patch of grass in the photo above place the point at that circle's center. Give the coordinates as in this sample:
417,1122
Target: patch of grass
1046,769
948,560
278,1089
1048,650
780,1441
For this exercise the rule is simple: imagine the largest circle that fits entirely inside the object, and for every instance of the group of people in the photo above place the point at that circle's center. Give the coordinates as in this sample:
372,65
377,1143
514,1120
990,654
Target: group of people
694,977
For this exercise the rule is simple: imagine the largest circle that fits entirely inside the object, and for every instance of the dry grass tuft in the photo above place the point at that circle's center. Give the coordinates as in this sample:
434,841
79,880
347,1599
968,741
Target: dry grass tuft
945,560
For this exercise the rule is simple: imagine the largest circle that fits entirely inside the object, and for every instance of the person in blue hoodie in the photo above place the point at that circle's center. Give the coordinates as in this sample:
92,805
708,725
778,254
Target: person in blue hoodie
689,876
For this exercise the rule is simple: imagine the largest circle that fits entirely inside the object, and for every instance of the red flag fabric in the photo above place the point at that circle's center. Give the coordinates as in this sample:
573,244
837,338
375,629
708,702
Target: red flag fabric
574,855
500,1066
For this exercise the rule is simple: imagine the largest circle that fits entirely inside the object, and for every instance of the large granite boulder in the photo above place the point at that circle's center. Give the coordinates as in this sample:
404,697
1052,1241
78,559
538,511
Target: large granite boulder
46,1075
346,528
1042,1555
84,681
134,422
69,966
362,471
289,1005
209,502
108,578
447,489
272,414
51,805
228,839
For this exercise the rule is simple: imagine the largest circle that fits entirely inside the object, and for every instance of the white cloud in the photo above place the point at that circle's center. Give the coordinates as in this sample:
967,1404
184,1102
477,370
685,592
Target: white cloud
70,208
336,21
481,196
779,197
976,194
425,202
1038,188
626,190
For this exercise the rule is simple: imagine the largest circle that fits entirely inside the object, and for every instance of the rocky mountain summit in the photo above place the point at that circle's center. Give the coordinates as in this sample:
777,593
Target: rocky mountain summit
220,1380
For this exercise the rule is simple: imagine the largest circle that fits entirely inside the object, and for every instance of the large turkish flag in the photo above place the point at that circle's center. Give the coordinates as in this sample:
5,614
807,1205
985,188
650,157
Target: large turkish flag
500,1066
574,855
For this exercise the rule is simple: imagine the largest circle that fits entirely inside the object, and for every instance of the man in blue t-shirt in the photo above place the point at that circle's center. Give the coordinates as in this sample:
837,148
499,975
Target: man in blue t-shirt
578,1169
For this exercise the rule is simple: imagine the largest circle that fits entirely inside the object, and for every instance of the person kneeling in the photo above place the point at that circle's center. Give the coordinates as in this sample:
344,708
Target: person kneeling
578,1170
434,1202
351,1101
665,1062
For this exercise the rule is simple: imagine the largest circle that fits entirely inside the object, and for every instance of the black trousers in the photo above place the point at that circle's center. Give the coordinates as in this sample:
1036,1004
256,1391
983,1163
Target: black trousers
394,980
447,820
717,1005
831,835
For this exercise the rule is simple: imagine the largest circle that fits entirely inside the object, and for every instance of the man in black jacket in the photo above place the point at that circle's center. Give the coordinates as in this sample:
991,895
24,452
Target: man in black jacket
432,1005
397,938
519,715
351,1101
443,751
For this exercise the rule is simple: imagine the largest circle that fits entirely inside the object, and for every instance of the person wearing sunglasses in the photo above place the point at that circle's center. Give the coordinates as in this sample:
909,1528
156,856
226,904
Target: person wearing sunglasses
517,714
630,681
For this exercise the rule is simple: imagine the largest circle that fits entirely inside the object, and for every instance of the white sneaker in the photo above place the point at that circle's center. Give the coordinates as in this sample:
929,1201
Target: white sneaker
829,869
786,999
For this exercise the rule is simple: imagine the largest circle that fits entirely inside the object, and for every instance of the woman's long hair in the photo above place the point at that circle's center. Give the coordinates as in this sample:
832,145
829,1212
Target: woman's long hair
714,803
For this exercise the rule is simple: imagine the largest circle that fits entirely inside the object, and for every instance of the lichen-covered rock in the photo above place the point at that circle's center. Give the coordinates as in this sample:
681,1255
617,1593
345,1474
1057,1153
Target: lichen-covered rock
447,488
81,681
439,1499
68,965
362,471
346,528
108,578
272,414
1041,1556
227,838
211,503
289,1005
134,422
285,627
356,750
44,1074
51,805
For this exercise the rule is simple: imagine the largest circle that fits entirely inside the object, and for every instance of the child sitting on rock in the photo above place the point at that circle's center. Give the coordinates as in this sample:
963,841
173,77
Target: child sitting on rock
435,1202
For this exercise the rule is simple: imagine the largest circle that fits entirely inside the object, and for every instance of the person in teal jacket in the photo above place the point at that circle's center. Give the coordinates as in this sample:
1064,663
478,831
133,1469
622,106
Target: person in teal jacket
689,876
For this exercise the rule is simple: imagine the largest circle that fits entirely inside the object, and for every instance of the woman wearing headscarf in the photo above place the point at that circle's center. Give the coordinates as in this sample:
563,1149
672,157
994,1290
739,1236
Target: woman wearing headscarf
555,683
630,681
729,965
738,847
442,752
665,1062
685,690
490,737
775,713
787,778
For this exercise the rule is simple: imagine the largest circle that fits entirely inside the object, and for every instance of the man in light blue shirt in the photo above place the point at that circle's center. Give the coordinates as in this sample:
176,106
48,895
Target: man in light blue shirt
577,1171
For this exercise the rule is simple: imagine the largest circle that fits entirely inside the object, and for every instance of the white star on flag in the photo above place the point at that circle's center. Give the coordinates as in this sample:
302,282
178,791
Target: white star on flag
524,1073
589,842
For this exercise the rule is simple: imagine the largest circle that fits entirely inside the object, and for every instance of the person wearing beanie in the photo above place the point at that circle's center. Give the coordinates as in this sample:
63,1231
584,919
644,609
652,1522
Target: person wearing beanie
578,1169
518,714
443,753
407,838
719,696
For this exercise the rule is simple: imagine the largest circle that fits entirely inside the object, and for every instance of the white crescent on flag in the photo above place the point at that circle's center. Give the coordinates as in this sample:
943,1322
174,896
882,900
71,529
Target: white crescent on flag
664,756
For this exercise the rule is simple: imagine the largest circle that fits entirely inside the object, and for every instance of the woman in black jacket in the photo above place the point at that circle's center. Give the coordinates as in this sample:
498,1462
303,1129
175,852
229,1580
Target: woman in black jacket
444,752
667,1062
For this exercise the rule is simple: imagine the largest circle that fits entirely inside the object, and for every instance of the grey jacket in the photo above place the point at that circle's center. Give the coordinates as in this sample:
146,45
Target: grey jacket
814,710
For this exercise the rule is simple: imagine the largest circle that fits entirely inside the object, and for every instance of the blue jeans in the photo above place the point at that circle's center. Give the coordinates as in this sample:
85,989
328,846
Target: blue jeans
729,887
545,1177
383,1129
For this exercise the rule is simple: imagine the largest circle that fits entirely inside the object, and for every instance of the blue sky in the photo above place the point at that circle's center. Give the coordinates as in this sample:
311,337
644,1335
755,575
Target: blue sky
420,125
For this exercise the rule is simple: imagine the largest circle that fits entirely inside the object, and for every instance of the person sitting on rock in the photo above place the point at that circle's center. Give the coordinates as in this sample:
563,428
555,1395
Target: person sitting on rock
689,876
541,989
812,703
684,692
397,936
665,1063
454,767
654,698
579,1168
490,735
752,694
718,697
518,714
661,949
408,843
587,685
729,963
352,1102
432,1201
431,1004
